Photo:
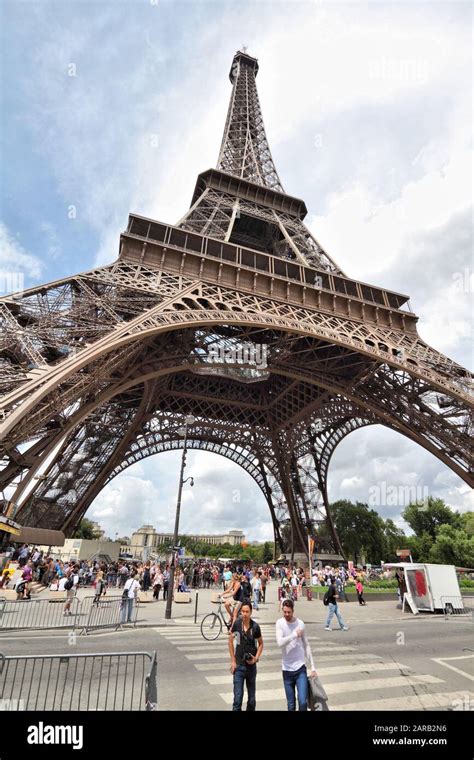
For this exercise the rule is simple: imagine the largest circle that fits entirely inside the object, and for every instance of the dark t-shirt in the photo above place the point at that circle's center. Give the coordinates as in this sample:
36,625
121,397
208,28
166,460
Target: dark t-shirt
245,640
332,591
239,594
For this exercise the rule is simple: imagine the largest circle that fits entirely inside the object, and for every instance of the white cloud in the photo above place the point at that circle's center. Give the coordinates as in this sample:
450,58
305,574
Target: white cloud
224,497
15,262
388,190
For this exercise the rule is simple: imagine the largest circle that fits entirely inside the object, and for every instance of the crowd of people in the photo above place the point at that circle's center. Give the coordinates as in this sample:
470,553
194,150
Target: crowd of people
37,566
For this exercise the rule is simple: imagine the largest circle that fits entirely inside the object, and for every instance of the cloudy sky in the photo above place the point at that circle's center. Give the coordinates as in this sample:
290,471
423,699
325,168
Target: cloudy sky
112,107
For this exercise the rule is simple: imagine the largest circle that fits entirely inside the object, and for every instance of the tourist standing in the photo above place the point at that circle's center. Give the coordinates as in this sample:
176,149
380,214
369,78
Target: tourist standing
70,586
166,583
129,595
157,583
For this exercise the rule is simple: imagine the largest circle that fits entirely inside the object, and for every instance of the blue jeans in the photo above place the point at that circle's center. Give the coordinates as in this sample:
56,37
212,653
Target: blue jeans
247,674
298,679
334,610
126,611
256,598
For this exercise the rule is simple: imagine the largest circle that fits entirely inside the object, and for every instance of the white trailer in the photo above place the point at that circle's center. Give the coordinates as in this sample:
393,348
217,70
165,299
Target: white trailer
428,587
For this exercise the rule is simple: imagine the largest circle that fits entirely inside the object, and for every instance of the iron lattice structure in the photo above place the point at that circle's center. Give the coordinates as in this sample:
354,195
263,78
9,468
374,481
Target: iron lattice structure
237,316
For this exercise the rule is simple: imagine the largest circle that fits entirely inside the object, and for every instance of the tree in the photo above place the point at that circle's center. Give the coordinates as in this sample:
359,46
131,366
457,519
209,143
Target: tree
394,538
467,523
360,530
267,553
453,546
420,547
87,530
426,517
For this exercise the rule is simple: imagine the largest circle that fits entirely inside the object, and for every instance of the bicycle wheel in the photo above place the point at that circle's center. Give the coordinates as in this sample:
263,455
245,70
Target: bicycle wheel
211,626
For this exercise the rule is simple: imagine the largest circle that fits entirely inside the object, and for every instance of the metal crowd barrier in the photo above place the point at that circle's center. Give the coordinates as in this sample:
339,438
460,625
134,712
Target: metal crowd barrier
37,613
88,614
119,681
105,613
457,606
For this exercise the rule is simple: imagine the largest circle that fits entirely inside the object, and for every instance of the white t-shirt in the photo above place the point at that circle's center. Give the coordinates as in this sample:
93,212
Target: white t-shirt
62,582
131,585
295,649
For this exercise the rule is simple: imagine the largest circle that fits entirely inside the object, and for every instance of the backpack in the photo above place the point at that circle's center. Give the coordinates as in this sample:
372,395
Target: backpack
126,589
326,598
69,583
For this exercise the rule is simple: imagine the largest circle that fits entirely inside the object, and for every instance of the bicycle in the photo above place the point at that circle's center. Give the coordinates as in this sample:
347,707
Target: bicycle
212,623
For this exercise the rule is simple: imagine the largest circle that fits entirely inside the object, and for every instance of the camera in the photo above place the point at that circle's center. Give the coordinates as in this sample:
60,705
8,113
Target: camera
248,656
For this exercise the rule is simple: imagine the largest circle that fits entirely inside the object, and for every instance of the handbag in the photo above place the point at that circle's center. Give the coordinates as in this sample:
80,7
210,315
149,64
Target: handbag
317,697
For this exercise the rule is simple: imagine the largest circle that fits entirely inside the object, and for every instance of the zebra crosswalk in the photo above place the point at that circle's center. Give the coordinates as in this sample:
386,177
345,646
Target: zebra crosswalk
353,680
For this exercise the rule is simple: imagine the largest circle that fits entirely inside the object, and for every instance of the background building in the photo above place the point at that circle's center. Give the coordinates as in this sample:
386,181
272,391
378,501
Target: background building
82,548
146,540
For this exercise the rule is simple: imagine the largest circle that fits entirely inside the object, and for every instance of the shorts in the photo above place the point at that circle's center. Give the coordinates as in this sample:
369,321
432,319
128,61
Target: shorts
233,603
70,593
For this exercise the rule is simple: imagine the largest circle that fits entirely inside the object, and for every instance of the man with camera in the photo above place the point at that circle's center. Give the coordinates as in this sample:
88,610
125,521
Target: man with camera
245,648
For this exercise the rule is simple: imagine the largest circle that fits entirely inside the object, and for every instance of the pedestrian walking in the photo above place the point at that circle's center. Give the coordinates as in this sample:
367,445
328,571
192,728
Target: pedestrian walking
296,652
331,597
263,591
360,591
256,584
244,656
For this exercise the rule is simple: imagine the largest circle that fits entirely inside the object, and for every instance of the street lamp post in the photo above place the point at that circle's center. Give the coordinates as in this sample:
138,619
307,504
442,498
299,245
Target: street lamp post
169,599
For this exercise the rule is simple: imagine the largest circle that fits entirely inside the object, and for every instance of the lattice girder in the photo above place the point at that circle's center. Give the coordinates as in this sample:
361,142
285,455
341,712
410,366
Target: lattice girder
153,337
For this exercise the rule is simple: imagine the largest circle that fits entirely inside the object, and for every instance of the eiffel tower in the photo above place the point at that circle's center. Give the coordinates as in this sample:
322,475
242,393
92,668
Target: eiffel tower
237,316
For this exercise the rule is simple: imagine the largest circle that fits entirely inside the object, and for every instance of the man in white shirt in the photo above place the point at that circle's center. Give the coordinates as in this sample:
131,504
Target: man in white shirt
291,637
129,594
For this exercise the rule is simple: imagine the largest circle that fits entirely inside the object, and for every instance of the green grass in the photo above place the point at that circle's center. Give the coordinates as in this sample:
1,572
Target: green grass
381,587
352,592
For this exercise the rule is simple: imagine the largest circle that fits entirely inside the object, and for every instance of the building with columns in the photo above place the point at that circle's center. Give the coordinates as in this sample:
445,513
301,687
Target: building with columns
147,538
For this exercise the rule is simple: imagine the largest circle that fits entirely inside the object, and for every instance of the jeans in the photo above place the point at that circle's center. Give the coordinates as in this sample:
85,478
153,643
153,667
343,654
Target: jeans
165,590
298,679
334,610
127,611
256,598
247,674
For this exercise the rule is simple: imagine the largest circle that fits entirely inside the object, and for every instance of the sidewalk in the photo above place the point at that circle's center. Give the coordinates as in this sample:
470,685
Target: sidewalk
312,612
